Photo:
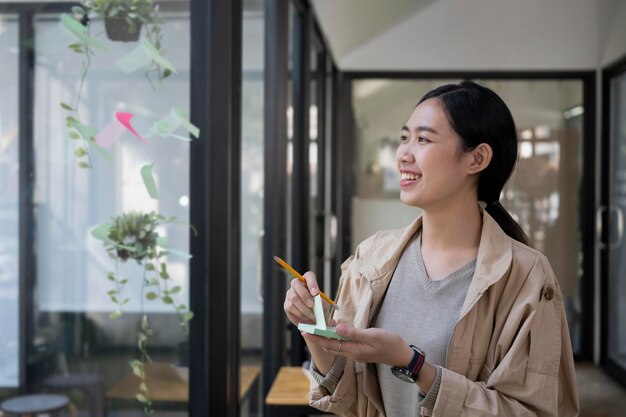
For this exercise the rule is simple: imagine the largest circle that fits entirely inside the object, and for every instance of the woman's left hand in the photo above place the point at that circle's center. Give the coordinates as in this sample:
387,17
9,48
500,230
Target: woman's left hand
366,345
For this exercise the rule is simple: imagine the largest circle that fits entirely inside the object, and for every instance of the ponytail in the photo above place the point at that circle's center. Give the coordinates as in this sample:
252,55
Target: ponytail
506,222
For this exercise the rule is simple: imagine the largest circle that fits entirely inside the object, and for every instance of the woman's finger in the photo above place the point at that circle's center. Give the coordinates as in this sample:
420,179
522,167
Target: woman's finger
298,306
303,292
311,283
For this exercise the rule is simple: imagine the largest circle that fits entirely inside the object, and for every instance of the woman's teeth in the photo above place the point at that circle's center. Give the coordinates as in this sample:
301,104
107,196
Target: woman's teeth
412,177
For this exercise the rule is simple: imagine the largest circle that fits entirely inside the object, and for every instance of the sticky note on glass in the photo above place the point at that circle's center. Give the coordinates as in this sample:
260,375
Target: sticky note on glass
319,328
141,57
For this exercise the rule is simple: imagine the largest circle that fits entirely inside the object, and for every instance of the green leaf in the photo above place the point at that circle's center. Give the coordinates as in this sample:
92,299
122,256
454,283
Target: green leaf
188,316
126,300
143,387
181,307
124,281
112,292
167,300
142,398
151,296
166,73
164,275
115,314
80,152
111,276
74,135
66,106
149,267
175,290
83,164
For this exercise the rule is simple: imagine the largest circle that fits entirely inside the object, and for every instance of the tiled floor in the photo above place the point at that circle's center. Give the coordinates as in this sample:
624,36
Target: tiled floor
600,396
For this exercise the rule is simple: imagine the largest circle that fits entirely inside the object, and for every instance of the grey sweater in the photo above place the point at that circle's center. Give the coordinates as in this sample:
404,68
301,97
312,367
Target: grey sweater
424,313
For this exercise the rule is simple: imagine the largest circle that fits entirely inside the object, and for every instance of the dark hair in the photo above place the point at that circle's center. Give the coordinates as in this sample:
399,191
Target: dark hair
478,115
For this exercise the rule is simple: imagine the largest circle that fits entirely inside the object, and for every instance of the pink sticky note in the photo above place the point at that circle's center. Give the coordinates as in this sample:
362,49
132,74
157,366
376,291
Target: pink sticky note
110,134
124,119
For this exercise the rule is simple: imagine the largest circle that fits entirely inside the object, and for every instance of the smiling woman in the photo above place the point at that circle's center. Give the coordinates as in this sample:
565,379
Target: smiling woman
437,286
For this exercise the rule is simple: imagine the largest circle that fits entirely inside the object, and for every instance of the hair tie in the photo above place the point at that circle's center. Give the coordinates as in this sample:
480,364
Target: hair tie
482,204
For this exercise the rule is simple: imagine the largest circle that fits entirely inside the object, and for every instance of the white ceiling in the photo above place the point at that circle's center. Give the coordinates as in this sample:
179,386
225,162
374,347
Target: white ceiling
482,35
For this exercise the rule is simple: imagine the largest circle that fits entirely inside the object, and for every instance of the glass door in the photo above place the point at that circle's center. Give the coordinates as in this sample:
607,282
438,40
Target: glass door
612,243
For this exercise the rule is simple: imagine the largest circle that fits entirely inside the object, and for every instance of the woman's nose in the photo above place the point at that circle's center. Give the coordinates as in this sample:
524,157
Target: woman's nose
403,154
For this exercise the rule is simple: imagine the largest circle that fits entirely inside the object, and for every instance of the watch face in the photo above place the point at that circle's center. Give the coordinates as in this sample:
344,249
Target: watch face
403,374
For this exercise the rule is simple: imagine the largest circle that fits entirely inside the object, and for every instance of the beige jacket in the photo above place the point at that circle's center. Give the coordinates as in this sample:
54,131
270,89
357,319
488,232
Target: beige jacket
509,353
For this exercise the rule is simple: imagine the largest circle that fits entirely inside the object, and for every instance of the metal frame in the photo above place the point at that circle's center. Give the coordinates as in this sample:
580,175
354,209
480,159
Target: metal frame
587,208
27,253
301,176
275,132
615,370
215,209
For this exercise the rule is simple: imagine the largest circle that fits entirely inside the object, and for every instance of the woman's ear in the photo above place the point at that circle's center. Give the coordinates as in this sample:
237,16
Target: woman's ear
480,157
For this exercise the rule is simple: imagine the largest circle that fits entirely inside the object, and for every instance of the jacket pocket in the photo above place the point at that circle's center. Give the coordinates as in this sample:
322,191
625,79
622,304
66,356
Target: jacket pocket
545,337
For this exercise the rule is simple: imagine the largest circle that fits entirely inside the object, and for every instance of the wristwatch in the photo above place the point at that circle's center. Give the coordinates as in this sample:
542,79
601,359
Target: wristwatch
411,372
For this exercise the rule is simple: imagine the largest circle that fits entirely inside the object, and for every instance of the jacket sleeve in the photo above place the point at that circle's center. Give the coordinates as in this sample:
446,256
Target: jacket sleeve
343,400
536,376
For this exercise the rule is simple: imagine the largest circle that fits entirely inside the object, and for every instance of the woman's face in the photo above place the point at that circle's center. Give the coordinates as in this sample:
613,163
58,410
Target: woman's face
433,169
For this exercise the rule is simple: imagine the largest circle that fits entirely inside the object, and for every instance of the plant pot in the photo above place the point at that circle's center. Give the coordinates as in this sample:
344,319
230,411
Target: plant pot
118,29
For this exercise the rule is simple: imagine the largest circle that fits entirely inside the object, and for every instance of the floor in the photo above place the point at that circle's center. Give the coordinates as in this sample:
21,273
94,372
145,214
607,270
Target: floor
599,395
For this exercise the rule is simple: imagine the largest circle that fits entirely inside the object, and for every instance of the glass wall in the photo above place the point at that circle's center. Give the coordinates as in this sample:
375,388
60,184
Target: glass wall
110,251
543,193
9,203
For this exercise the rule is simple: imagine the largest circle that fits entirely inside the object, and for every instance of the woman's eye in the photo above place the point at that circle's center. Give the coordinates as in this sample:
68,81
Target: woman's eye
404,138
421,139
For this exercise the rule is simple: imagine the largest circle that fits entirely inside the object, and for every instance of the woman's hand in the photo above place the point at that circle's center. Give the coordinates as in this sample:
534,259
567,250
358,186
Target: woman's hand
299,300
366,345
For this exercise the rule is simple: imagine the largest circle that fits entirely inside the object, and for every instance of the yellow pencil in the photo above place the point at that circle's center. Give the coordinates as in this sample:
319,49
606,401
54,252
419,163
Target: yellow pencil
301,278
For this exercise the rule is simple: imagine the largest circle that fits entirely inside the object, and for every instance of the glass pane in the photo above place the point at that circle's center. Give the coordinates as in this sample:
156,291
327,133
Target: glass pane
112,212
617,249
252,186
542,194
9,204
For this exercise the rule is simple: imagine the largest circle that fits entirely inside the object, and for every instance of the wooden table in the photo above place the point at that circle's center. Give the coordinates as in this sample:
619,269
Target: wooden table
169,384
289,395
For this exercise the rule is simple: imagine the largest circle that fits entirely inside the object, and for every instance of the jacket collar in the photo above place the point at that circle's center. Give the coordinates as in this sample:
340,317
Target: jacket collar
495,253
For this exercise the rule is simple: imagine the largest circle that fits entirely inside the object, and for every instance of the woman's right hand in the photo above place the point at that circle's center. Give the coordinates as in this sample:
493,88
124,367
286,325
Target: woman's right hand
299,300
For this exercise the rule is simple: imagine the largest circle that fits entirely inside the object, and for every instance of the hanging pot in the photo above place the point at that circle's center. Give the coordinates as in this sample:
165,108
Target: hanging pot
118,29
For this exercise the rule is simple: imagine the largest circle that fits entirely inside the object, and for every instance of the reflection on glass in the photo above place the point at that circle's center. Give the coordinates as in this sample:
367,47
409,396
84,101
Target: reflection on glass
542,194
77,344
616,247
252,186
9,204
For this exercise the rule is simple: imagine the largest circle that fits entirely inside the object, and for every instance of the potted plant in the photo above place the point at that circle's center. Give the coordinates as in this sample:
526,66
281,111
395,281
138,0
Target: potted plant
123,19
134,236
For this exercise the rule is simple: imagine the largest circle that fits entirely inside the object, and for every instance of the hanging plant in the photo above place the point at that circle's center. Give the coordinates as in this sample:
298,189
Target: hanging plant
134,236
124,20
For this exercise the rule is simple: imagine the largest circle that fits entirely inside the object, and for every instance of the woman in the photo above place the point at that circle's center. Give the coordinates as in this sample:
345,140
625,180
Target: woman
453,315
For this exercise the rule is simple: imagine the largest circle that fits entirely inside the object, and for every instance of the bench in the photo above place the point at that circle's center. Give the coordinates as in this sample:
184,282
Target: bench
289,395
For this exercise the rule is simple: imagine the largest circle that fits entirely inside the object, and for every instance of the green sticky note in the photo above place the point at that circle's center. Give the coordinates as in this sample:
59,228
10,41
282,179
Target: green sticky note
101,232
86,132
134,60
184,120
319,328
80,32
148,181
100,150
156,56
